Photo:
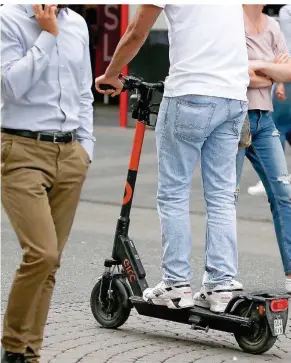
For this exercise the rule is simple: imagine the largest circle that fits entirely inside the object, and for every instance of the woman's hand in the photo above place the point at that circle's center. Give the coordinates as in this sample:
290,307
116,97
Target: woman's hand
280,92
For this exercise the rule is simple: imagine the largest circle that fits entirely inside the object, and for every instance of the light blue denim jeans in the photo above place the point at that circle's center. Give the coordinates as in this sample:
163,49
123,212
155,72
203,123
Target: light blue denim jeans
267,157
188,129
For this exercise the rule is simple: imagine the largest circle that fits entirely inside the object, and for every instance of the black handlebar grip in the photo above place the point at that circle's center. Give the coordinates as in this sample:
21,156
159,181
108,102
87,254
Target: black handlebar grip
106,87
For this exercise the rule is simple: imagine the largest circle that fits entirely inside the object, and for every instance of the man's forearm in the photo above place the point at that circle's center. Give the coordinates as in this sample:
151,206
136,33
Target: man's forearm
126,50
18,76
277,72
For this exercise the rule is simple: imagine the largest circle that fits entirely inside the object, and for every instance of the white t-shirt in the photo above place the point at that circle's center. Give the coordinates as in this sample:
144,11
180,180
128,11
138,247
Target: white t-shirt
208,53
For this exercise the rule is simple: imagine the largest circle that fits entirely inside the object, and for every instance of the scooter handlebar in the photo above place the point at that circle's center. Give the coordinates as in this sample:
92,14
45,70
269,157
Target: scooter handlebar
106,87
131,83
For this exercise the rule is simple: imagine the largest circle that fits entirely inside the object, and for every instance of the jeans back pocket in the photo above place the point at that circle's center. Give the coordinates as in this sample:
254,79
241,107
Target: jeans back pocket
193,119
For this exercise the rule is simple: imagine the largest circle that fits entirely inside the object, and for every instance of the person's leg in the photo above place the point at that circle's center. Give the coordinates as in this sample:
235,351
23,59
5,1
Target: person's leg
181,130
283,139
178,149
63,198
27,172
288,137
239,168
288,118
267,156
280,118
282,114
279,121
220,183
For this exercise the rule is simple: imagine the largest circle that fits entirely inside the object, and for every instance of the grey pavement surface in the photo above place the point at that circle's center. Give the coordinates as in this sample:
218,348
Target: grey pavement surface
72,335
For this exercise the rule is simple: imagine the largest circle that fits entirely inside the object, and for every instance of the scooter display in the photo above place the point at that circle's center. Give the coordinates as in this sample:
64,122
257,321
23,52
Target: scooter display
255,319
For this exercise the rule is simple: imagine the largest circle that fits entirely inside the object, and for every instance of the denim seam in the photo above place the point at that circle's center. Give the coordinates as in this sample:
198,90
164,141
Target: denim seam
278,208
259,120
228,109
207,231
164,126
159,152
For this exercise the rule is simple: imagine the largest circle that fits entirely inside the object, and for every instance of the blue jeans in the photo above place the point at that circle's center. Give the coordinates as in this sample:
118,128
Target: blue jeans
282,115
188,129
267,157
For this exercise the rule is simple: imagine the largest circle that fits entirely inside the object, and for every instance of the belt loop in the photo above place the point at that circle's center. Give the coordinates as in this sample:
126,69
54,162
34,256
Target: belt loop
38,136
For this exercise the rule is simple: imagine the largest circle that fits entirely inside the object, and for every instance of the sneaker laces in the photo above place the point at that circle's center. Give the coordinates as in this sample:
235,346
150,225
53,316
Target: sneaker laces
159,289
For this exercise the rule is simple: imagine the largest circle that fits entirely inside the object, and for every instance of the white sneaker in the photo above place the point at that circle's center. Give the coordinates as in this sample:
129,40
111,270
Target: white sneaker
177,296
257,189
288,285
216,300
234,284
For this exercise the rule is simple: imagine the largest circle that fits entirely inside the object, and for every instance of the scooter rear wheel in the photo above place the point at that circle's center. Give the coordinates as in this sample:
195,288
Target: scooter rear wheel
110,311
260,339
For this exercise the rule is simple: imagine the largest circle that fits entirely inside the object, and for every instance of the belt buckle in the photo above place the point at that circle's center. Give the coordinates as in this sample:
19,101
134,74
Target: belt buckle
55,139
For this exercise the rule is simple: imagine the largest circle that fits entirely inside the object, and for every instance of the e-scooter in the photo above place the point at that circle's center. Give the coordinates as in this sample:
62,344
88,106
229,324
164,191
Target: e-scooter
255,319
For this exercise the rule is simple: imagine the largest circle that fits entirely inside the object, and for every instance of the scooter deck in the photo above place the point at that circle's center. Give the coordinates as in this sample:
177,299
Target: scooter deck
199,318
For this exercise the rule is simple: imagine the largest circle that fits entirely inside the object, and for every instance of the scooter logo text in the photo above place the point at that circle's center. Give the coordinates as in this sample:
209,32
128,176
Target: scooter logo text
129,270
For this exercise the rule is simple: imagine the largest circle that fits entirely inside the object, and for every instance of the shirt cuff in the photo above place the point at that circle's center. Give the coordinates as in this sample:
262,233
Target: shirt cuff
45,42
88,145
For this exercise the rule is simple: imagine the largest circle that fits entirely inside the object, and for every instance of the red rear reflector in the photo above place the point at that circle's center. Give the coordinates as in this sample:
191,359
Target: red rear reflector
279,305
261,310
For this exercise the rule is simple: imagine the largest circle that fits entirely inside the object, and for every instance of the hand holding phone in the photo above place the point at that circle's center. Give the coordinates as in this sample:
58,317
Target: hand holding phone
46,16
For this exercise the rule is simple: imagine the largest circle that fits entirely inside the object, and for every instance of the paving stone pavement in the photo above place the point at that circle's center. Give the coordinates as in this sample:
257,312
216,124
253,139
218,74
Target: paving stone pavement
72,335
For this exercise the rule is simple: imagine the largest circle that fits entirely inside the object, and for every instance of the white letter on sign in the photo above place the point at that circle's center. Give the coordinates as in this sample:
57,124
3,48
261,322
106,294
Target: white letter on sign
107,58
111,16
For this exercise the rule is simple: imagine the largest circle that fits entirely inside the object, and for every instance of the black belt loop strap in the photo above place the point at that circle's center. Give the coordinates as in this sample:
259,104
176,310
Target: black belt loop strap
56,138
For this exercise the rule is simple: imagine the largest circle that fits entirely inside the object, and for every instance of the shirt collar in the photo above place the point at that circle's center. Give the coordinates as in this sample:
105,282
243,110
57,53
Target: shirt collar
30,11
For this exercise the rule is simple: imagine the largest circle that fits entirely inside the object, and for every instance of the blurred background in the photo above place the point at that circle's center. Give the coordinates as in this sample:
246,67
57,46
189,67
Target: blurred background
152,62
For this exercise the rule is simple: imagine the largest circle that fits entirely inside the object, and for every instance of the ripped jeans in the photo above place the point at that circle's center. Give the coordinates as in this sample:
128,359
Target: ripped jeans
267,157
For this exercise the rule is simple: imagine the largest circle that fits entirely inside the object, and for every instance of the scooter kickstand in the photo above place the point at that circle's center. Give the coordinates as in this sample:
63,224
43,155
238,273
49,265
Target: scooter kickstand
195,320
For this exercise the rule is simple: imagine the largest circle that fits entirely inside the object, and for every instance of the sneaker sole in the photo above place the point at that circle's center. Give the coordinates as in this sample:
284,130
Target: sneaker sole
202,304
218,307
180,303
171,303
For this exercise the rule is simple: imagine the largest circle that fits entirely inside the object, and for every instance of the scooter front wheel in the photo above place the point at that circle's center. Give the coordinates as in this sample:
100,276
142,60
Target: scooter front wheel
259,339
109,303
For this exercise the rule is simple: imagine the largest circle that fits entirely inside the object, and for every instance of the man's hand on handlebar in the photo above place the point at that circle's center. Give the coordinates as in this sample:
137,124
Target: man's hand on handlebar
115,82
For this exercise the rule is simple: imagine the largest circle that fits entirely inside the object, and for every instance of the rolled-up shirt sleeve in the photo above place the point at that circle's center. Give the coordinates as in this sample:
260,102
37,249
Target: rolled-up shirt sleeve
20,71
85,130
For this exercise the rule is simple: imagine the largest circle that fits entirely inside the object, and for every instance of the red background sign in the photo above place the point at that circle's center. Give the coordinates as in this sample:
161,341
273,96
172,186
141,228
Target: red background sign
109,36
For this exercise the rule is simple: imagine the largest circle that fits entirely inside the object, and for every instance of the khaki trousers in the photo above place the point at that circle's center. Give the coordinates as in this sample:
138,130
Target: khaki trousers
41,186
